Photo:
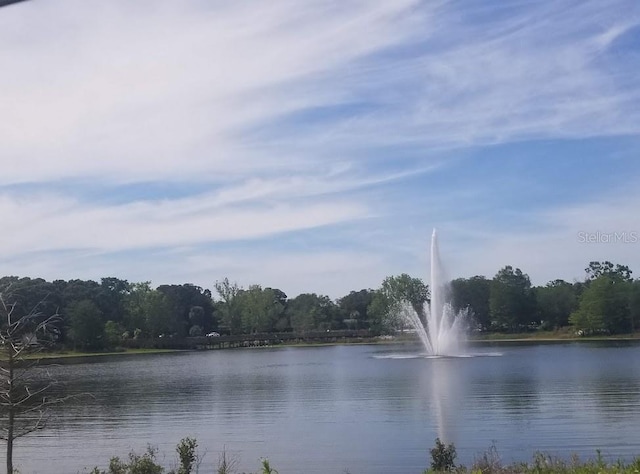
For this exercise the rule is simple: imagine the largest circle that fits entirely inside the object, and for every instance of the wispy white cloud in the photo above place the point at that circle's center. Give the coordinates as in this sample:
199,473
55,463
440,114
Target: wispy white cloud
127,93
47,224
274,118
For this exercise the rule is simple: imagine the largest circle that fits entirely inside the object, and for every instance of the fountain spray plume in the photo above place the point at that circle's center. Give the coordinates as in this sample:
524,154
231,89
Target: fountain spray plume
443,330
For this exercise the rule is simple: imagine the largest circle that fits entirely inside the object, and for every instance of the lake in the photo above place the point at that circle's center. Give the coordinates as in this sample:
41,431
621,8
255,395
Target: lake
362,408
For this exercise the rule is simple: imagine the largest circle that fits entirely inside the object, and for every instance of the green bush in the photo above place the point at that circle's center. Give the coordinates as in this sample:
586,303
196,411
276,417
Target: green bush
187,454
137,464
443,457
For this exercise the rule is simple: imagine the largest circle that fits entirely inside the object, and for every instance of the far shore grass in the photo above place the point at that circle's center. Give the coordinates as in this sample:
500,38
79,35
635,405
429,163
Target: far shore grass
70,354
561,335
564,334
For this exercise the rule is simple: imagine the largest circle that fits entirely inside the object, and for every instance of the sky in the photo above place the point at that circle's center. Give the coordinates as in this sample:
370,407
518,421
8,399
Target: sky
314,146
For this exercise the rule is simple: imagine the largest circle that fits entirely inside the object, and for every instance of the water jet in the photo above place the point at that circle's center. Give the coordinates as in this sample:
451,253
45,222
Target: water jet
443,328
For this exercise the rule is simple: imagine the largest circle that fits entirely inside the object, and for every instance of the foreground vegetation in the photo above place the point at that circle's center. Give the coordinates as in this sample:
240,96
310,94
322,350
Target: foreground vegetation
443,459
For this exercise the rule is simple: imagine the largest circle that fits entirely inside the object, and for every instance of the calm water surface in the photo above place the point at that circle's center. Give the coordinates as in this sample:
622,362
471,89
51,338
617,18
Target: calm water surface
366,409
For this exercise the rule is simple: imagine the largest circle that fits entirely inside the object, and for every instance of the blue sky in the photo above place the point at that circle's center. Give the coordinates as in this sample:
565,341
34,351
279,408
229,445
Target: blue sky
312,146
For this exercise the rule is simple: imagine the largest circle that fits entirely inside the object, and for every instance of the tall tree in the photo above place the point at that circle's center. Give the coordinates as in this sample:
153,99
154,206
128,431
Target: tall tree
111,298
473,294
597,269
182,298
511,300
604,306
86,325
23,402
384,309
260,309
634,306
406,288
556,301
227,305
309,311
136,308
354,307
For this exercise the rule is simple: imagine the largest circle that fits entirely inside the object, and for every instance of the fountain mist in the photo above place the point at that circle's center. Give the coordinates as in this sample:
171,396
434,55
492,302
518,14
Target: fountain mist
443,330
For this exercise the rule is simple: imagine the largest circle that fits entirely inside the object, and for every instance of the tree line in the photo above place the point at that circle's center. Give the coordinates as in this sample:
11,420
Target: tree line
96,315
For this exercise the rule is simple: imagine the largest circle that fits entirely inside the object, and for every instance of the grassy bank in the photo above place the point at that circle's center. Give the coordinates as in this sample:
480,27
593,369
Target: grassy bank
80,356
564,334
443,459
542,337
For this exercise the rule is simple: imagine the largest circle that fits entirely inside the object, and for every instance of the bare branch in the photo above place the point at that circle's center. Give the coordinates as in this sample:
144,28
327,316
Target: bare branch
23,396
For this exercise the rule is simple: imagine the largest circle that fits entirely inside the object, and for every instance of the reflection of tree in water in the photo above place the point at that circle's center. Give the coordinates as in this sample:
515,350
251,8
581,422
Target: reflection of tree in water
261,394
120,394
616,396
519,393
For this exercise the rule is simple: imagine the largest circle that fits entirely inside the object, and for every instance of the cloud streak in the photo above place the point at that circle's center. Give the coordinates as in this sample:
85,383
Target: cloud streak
336,129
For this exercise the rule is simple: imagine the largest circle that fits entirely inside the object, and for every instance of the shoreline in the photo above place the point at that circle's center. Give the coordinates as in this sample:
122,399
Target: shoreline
70,357
80,357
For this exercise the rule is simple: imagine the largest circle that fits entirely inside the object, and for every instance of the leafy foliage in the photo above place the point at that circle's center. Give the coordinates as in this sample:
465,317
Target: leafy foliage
604,306
473,294
443,456
86,325
556,301
309,311
512,303
136,464
95,316
187,455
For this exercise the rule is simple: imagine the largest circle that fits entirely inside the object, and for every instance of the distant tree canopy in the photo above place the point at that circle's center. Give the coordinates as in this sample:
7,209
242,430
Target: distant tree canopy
96,316
512,303
473,294
386,304
556,301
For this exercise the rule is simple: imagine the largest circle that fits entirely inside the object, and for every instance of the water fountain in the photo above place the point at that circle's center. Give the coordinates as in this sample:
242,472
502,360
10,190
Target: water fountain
442,333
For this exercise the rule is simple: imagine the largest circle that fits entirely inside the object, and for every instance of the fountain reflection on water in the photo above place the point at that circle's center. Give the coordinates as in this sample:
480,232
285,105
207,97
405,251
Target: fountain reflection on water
443,332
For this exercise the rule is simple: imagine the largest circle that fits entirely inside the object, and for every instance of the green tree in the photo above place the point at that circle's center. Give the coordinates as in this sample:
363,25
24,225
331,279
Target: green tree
556,301
511,301
597,269
405,288
354,308
280,297
260,309
227,305
604,306
473,293
634,305
86,326
148,311
182,299
136,307
158,314
111,297
187,454
384,310
137,464
309,311
443,457
112,334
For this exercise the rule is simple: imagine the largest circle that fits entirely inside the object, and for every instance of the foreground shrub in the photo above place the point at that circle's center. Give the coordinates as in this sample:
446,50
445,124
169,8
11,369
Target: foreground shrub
490,463
443,457
187,454
138,464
